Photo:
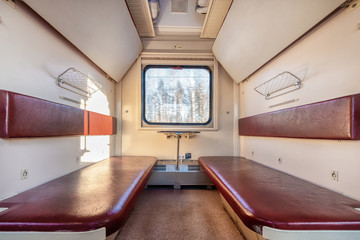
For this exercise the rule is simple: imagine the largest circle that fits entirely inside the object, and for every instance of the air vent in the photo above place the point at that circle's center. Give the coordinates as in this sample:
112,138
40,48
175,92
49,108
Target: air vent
217,12
160,167
141,16
177,58
179,6
165,167
194,168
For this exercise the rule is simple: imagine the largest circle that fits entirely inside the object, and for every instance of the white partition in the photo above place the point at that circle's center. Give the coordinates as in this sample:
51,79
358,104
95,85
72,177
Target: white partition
255,31
104,31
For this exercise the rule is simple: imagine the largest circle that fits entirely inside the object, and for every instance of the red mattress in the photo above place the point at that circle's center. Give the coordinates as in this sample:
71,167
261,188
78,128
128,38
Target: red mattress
262,196
101,195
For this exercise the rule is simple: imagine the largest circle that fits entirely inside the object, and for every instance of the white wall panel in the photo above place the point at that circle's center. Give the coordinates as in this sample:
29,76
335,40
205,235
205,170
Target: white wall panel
328,60
149,142
31,59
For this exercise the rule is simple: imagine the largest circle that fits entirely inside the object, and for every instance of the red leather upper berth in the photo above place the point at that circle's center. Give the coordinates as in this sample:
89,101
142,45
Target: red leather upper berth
101,195
262,196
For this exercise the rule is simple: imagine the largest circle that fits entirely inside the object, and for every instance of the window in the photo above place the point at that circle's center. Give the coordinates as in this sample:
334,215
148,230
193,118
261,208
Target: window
174,95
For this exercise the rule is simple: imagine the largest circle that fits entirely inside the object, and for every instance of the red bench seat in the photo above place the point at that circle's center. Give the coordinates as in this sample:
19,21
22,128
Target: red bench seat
100,195
262,196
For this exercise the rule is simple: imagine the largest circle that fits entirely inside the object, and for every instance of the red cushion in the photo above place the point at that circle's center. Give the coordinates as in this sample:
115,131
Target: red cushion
3,113
100,124
262,196
25,116
332,119
101,195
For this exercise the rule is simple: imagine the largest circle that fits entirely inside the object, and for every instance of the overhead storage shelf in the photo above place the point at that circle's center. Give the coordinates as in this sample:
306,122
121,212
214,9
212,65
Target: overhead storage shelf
78,82
281,84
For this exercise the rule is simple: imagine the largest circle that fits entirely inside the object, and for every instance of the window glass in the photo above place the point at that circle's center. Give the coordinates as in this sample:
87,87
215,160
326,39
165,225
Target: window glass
177,95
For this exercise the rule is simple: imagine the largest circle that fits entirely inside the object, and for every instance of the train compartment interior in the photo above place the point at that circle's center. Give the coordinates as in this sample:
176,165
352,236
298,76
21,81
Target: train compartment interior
179,119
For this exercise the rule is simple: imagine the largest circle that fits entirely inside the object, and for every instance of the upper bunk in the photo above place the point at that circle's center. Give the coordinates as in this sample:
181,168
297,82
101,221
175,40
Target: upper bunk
242,35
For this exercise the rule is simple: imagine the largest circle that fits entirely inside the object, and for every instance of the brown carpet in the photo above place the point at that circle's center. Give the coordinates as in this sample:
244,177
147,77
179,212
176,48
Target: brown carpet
179,214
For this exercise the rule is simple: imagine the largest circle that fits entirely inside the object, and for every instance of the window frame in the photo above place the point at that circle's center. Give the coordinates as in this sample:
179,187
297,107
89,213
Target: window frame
179,59
179,124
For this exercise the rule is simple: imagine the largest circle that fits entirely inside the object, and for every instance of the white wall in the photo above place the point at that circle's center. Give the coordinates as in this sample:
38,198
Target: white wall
147,142
31,58
328,60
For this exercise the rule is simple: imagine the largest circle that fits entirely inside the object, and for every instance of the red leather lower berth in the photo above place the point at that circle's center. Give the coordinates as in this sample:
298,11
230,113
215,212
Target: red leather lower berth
100,195
262,196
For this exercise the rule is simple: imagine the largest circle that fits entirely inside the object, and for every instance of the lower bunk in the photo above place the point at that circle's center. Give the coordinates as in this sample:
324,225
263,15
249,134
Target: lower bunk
90,203
268,204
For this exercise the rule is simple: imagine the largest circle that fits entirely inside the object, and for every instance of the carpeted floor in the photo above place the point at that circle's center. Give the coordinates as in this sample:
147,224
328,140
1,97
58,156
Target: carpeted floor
179,214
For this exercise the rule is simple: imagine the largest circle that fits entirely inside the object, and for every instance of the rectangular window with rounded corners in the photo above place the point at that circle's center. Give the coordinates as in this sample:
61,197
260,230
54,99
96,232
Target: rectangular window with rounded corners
177,95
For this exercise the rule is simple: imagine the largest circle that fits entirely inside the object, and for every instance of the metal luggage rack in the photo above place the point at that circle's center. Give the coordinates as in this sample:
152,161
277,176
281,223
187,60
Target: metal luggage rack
279,85
78,82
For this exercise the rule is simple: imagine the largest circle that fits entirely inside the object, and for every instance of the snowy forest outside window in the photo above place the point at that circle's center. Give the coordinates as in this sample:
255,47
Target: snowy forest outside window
177,95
